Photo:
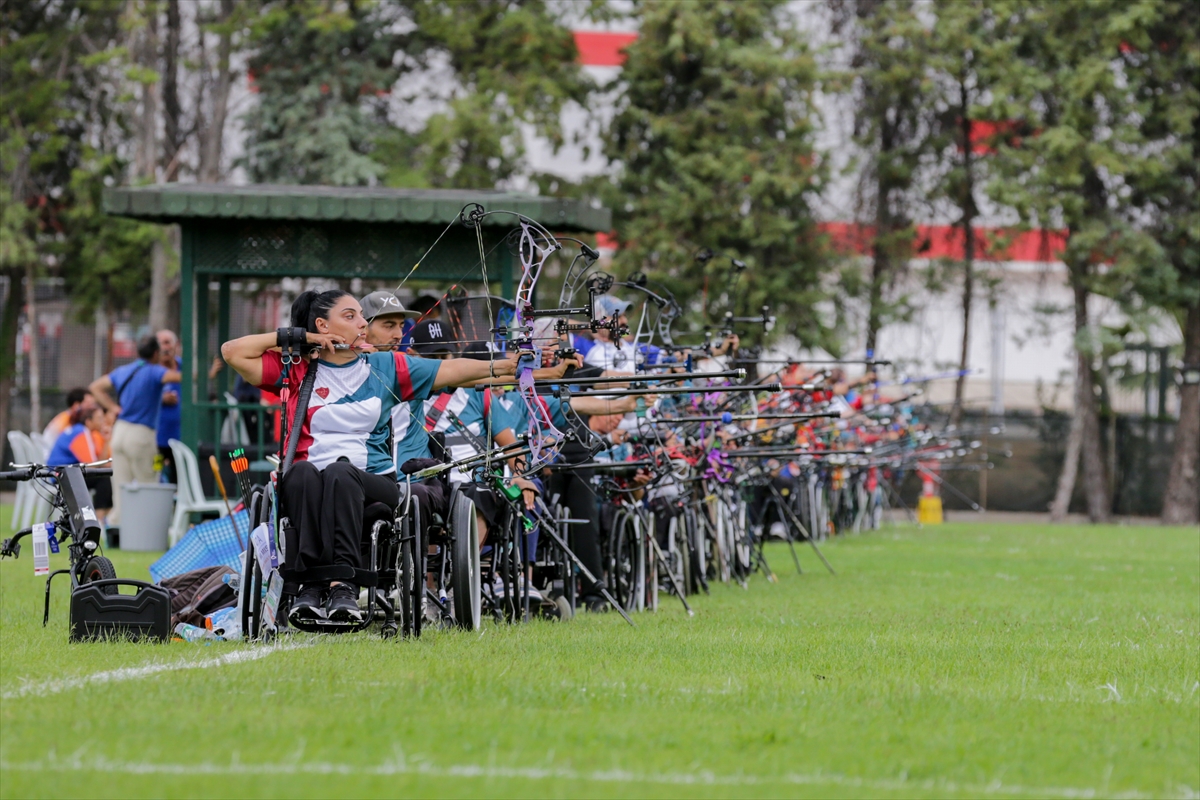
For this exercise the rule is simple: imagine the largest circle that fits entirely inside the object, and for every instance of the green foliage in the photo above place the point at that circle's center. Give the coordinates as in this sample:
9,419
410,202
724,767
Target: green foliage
321,73
1161,61
63,113
513,65
891,79
105,260
713,139
1057,70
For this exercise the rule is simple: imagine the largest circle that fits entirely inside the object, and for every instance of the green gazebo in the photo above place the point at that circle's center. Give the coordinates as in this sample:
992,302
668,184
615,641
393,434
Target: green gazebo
245,233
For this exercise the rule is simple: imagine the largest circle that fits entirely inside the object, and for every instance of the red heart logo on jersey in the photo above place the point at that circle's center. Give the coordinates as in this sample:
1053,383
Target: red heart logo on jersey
322,392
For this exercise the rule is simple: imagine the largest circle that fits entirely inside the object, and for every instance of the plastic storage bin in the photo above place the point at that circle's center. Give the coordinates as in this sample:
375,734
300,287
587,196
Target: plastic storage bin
146,515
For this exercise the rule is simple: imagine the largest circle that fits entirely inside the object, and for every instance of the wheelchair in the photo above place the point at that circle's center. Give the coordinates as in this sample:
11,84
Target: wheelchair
399,551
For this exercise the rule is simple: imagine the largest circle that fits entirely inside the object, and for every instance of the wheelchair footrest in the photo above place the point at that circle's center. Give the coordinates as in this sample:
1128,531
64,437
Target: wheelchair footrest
327,625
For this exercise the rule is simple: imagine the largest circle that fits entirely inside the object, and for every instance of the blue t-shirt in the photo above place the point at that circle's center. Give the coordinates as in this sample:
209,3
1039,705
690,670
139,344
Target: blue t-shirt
138,388
170,418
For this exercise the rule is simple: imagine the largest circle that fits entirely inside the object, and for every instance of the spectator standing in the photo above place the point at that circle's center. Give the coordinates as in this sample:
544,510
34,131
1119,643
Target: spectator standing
137,389
170,420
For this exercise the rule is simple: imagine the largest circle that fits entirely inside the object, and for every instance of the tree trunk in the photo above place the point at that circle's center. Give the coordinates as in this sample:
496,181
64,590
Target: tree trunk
211,146
1091,451
1083,444
159,285
967,205
147,150
172,112
35,349
172,142
881,262
8,348
1070,470
1181,500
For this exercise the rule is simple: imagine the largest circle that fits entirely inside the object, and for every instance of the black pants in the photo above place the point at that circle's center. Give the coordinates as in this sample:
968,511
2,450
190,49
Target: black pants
575,492
431,497
325,509
101,486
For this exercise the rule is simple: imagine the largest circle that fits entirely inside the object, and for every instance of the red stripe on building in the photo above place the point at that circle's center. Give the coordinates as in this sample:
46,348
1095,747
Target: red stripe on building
945,241
602,48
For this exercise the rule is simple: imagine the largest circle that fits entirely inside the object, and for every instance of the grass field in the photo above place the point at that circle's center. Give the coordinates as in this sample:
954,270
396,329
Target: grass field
963,661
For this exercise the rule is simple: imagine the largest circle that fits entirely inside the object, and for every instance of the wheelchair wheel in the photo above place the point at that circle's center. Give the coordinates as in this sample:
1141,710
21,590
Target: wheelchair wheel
410,577
627,565
464,563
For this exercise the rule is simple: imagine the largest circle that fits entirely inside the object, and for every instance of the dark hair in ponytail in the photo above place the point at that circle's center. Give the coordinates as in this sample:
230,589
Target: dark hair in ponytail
311,306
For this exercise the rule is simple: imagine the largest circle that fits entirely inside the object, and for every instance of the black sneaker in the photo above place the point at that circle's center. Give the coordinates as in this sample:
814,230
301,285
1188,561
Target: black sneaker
307,606
342,605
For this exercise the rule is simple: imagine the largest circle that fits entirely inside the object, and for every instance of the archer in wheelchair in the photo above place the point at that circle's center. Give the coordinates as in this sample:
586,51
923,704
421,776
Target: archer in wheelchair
337,474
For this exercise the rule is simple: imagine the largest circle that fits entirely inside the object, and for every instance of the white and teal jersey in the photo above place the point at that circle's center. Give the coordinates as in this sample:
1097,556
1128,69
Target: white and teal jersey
351,405
410,439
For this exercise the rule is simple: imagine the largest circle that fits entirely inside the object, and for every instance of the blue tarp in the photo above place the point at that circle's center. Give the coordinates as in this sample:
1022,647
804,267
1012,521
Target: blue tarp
209,544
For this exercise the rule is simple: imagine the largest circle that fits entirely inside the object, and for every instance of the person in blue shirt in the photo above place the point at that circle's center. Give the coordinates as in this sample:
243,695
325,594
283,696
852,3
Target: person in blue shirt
134,392
170,417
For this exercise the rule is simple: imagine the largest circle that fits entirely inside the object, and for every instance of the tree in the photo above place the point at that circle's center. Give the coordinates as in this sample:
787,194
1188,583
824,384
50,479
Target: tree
1159,57
60,66
890,81
713,143
1057,72
322,73
514,67
960,39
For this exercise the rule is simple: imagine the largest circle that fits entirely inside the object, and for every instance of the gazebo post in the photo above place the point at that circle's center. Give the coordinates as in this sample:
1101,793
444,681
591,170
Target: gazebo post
187,323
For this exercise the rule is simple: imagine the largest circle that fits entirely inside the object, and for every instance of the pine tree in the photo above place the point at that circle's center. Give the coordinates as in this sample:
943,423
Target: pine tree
890,81
514,66
322,73
1160,59
713,143
1057,72
62,77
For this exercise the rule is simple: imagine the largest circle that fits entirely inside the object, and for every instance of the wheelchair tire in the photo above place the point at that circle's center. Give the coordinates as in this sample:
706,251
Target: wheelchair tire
464,563
410,581
99,568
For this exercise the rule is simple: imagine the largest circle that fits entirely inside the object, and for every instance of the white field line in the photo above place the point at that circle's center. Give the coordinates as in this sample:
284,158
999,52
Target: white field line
43,688
418,766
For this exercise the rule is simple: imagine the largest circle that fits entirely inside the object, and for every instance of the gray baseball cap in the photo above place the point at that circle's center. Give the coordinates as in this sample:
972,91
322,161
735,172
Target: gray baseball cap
609,306
383,304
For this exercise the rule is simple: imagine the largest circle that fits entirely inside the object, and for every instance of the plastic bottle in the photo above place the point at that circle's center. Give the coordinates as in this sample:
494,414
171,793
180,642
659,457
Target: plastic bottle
194,633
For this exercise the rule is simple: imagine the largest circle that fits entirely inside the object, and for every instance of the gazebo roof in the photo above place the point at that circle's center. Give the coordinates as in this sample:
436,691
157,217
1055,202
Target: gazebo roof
180,202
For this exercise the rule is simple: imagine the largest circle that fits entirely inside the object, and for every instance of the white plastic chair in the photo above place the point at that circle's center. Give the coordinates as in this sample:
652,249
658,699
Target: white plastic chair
24,490
44,447
36,507
233,429
189,492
